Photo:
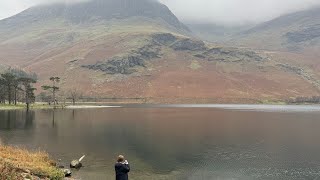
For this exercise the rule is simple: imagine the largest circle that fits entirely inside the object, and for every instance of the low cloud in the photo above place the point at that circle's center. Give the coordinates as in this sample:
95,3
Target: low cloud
37,2
227,12
11,7
235,12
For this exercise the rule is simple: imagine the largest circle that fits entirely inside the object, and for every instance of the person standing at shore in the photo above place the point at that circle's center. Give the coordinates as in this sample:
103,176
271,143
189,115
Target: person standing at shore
122,168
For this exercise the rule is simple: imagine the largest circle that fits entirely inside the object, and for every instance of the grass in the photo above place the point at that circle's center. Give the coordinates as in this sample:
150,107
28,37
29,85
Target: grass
273,102
9,107
23,106
15,161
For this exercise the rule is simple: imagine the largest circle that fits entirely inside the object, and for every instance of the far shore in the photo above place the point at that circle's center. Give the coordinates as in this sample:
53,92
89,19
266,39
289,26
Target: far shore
81,105
92,105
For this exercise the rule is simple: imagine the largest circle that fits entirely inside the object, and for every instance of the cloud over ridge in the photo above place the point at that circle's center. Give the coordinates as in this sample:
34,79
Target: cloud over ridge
228,12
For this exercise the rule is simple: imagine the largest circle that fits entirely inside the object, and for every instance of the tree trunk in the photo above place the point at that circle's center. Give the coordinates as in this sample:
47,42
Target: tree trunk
54,97
74,101
15,97
27,100
9,94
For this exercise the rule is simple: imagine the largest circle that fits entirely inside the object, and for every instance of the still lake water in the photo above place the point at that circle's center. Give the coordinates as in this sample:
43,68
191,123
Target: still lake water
186,142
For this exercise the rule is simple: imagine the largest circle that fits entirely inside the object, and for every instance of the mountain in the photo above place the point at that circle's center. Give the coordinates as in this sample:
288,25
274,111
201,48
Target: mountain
96,10
138,49
214,32
293,32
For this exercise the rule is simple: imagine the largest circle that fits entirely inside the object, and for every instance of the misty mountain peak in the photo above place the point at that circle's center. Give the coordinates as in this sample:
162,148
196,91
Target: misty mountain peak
96,10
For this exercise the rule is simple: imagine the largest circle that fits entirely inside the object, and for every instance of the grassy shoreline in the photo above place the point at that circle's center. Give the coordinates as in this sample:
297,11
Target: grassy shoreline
23,106
17,163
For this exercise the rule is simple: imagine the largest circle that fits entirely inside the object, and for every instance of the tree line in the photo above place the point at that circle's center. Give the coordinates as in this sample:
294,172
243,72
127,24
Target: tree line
18,86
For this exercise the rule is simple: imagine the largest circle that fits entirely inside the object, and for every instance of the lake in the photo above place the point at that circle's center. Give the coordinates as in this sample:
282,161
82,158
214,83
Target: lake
184,142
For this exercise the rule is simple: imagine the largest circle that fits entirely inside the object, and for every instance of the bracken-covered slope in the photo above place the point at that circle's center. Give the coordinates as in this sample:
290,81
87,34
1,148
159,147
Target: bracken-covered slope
137,52
294,32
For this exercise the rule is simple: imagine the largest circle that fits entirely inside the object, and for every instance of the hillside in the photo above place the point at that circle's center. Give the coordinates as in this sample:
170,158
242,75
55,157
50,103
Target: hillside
141,50
216,33
294,32
93,12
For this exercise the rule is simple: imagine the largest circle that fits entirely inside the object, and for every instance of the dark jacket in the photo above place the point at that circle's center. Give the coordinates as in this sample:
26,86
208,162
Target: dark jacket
122,171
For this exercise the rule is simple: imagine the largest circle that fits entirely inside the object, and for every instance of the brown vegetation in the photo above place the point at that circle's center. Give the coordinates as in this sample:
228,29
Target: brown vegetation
138,61
16,163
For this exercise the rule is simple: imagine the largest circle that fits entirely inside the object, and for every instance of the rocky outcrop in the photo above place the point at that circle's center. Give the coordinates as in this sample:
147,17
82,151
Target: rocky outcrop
187,44
148,52
304,35
128,63
118,65
164,38
289,68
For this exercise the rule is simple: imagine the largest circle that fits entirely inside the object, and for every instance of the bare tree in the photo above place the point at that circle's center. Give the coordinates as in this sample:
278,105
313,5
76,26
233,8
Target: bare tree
75,95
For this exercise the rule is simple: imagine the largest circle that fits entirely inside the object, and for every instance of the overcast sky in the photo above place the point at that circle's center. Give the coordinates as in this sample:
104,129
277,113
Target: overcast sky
216,11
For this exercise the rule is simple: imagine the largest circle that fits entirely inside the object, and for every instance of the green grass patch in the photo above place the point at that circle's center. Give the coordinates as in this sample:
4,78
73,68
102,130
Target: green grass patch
273,102
32,106
9,107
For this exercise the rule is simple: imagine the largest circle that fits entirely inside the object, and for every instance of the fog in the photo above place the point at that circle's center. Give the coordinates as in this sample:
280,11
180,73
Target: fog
226,12
235,12
11,7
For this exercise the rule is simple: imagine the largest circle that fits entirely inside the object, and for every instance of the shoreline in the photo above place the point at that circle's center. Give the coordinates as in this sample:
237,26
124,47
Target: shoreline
23,106
19,163
93,105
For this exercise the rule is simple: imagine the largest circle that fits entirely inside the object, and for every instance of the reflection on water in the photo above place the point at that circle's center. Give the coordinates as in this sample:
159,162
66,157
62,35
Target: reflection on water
240,107
10,120
174,143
